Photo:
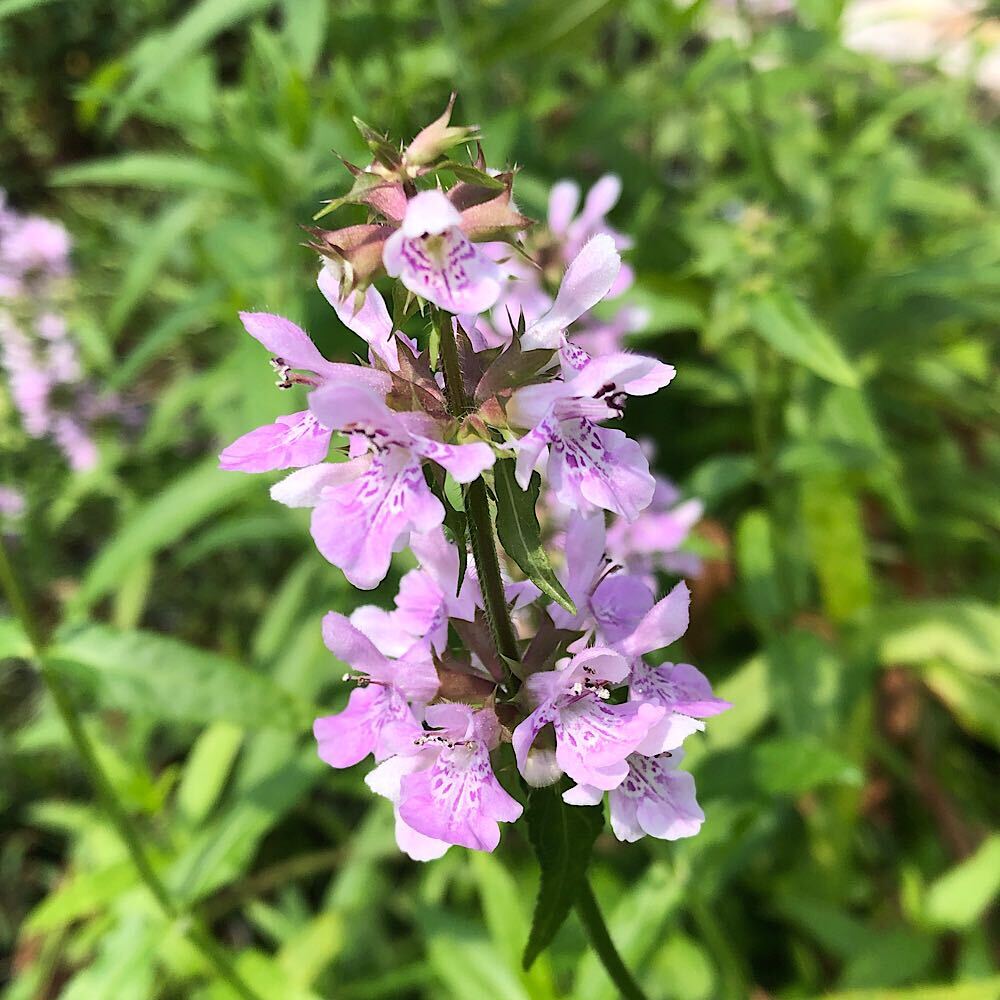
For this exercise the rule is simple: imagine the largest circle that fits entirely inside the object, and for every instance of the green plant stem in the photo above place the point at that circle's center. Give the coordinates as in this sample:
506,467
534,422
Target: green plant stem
193,928
477,506
600,940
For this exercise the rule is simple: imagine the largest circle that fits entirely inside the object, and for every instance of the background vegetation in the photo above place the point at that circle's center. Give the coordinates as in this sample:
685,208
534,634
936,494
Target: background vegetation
817,239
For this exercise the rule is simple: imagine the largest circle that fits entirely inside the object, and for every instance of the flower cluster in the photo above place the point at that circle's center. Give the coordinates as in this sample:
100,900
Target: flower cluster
38,356
436,443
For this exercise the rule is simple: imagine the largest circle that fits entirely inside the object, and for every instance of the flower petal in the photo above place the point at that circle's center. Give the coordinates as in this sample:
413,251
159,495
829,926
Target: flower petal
290,442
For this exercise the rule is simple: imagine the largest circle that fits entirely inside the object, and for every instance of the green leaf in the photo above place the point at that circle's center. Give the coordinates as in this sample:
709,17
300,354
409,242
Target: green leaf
520,535
715,478
973,700
792,766
755,558
964,632
82,893
960,897
13,642
563,837
155,171
147,262
185,503
979,989
832,516
206,770
168,680
193,31
507,921
10,7
788,326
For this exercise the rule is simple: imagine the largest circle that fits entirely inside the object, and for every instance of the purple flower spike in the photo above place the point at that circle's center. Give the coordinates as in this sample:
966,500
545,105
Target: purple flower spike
434,259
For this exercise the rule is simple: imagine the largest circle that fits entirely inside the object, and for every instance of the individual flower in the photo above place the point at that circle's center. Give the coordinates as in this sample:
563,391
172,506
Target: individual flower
572,230
609,604
428,598
378,718
593,737
587,281
444,787
654,798
298,439
588,466
434,258
652,543
682,692
365,508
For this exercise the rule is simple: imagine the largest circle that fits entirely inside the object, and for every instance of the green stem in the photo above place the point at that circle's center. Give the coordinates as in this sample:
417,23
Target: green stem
600,940
194,929
477,505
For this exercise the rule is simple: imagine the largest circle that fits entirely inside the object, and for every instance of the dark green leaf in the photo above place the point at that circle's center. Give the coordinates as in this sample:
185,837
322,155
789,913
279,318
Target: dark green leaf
563,837
520,535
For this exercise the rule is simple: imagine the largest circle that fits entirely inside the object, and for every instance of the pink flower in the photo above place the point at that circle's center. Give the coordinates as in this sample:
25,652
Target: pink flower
682,692
609,604
434,258
587,280
428,598
36,243
651,543
12,504
378,718
366,507
298,439
593,738
445,786
572,230
588,466
653,799
365,314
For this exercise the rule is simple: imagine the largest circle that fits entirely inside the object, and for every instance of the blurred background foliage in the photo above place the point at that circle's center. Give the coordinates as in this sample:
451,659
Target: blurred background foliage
817,239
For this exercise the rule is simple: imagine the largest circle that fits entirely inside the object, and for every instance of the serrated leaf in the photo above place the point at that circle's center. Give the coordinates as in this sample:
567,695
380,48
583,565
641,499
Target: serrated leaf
563,837
791,329
520,535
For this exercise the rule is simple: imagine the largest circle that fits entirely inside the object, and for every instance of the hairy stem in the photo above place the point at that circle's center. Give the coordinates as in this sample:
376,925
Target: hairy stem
194,929
600,940
477,505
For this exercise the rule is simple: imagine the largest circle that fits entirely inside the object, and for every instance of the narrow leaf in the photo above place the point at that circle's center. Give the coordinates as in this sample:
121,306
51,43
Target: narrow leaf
563,837
788,326
520,535
166,679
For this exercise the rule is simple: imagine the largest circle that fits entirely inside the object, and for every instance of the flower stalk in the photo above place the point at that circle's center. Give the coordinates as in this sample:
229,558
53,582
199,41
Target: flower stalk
477,506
